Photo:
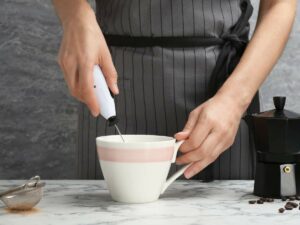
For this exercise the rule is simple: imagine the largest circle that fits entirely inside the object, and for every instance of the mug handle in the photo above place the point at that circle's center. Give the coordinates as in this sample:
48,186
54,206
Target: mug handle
179,172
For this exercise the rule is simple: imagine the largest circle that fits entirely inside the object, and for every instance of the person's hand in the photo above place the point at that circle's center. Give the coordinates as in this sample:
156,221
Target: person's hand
83,46
210,130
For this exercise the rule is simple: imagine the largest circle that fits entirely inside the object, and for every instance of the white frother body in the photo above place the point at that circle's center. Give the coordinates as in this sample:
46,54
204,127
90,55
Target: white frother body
104,97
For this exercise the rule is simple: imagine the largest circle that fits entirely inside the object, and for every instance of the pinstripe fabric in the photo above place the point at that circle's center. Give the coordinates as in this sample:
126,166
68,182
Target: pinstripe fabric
160,86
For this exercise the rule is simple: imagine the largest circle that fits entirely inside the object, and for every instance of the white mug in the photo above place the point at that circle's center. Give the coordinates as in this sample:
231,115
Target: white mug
136,170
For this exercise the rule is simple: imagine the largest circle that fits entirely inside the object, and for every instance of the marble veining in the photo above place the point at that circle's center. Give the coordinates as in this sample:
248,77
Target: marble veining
82,202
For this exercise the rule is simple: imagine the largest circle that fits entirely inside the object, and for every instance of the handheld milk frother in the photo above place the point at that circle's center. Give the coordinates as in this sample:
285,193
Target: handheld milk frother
105,99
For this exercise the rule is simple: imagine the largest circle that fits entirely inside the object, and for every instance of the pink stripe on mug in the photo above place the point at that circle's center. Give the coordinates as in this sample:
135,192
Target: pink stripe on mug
136,155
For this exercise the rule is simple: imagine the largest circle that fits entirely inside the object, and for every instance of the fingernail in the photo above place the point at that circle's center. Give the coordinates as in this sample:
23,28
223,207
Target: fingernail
115,87
95,114
188,175
180,133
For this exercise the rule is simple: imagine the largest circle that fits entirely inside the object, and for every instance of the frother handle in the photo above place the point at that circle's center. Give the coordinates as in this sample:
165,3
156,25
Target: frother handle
179,172
104,97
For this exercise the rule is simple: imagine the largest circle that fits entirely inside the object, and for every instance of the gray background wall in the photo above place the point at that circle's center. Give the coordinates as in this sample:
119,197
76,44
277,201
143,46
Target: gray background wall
38,118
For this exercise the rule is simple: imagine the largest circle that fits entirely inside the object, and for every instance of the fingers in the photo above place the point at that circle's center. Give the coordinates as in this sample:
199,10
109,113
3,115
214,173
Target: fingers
206,150
86,90
79,52
70,74
197,136
182,135
80,82
196,168
109,71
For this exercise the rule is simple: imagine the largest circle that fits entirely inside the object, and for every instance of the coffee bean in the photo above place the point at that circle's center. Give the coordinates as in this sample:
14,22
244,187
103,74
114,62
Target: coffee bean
259,201
288,207
281,210
263,199
294,204
292,198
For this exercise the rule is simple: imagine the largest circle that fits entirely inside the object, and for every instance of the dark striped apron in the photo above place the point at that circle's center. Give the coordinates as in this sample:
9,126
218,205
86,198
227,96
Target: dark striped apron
171,56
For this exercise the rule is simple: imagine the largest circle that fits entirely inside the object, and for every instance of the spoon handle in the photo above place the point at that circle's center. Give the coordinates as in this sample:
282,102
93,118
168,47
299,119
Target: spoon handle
32,182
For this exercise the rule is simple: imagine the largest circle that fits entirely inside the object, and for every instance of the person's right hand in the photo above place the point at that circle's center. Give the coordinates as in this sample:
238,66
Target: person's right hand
83,46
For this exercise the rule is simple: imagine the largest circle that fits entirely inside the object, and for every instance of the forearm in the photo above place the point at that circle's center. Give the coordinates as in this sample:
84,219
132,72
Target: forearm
271,34
67,10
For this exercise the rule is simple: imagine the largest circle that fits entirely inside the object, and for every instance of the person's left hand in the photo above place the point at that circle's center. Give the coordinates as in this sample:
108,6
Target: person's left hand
211,128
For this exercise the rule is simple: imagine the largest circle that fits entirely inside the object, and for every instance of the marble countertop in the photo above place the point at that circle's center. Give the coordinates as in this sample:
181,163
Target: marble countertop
88,202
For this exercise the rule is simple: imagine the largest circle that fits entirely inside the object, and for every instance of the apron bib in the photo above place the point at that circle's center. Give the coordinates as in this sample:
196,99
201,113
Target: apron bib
167,66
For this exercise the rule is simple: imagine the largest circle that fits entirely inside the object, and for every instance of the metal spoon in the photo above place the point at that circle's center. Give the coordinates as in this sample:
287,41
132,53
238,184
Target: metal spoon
24,197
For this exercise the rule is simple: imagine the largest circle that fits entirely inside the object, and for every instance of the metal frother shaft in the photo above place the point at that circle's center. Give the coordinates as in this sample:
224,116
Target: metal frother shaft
117,128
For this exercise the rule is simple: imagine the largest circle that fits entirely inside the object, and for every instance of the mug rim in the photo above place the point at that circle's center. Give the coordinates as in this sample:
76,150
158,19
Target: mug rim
163,139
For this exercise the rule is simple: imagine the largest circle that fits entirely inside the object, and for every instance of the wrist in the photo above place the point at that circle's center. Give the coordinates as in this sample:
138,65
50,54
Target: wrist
238,95
69,11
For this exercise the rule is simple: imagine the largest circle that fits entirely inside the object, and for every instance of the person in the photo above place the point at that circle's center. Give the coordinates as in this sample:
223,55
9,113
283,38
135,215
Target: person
184,67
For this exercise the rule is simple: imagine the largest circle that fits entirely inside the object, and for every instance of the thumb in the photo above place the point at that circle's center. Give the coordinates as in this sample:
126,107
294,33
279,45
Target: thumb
182,135
189,126
110,72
